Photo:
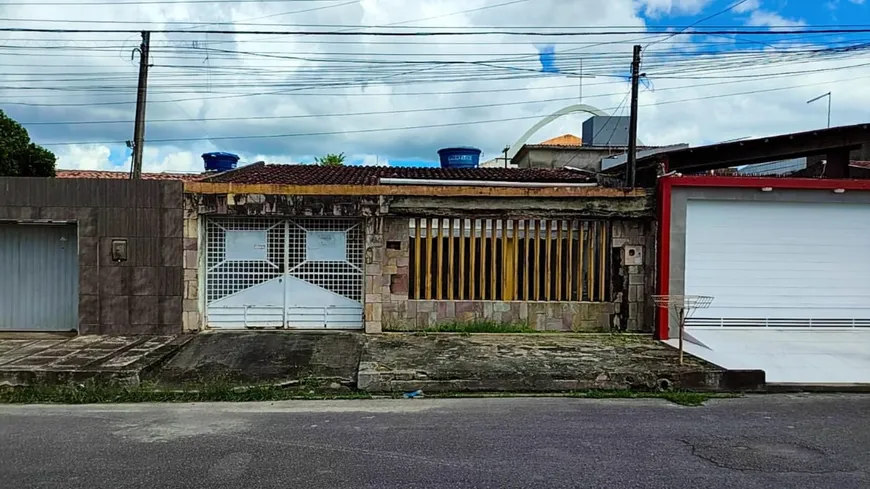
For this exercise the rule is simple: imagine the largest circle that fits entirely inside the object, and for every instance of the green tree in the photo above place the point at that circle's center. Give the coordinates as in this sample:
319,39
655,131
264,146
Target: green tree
331,159
19,157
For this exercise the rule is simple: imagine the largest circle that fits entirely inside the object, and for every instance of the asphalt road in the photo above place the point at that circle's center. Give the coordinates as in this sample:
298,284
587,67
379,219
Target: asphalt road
771,442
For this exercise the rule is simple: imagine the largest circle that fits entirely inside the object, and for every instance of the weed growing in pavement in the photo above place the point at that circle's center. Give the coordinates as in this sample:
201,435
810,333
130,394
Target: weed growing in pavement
102,393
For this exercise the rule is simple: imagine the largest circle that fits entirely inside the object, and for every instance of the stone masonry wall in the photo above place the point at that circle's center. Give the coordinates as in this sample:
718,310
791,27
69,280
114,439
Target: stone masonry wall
387,270
387,307
191,315
543,316
635,284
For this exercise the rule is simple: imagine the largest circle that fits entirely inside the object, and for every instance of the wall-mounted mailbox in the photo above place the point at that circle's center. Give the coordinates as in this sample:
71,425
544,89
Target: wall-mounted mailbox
119,250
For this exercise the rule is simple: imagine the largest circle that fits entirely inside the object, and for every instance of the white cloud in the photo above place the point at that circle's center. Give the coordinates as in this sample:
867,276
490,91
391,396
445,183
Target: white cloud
656,8
212,91
83,157
747,6
765,18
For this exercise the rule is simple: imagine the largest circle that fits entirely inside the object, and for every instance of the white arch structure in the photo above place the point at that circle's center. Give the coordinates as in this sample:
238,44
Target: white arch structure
571,109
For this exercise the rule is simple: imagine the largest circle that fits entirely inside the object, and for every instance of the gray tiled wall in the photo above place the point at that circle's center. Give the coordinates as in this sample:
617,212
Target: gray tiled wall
140,296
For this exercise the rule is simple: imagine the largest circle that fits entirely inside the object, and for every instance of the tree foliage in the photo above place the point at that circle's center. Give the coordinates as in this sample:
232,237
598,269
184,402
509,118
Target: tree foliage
331,159
19,156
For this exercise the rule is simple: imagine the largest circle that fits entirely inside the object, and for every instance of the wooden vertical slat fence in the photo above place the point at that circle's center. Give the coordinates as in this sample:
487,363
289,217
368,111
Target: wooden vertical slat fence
462,258
509,259
450,261
428,259
559,267
418,289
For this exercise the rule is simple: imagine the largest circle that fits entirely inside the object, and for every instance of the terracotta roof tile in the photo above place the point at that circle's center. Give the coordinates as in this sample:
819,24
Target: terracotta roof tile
124,174
371,175
563,140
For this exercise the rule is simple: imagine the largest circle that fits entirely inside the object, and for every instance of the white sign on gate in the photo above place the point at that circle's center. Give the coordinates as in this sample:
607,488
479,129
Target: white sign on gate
326,246
245,245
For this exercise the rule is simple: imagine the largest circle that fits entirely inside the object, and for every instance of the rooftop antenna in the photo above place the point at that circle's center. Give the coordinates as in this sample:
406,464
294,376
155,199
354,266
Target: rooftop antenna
828,95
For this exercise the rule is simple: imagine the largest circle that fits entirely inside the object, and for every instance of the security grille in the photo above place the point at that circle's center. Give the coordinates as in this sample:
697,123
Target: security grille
244,252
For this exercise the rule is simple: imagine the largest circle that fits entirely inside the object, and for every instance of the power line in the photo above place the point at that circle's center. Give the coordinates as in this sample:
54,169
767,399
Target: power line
451,124
152,2
536,33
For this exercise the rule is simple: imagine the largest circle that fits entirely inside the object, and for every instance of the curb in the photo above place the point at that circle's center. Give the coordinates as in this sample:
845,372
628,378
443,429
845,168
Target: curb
375,380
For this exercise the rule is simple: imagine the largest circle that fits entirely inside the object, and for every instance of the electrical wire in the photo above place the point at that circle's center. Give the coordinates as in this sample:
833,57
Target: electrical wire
507,32
433,126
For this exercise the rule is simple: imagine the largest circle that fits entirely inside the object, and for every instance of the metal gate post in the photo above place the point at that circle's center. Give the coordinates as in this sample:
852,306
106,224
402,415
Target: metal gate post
286,273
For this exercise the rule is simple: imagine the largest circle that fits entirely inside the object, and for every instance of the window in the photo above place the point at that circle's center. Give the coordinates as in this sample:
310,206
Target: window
504,259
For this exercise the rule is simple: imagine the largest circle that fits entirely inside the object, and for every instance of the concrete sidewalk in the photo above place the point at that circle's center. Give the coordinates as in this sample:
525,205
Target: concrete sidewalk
28,359
385,363
536,363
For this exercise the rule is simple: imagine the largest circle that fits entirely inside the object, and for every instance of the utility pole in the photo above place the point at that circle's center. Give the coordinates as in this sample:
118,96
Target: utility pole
631,168
139,129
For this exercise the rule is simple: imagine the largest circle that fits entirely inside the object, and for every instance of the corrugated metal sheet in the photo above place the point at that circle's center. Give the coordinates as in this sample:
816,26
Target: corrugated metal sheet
38,277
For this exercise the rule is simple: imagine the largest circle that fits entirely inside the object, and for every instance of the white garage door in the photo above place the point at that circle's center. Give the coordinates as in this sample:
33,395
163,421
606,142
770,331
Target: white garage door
39,277
791,289
779,264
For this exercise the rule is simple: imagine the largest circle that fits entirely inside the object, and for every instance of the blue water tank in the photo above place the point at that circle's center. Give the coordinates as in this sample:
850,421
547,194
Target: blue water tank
219,161
459,157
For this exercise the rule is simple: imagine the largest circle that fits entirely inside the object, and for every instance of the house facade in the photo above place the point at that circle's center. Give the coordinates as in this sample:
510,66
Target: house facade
387,249
781,260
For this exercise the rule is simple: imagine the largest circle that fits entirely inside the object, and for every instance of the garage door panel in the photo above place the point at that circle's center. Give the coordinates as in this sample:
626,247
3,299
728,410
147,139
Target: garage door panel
779,259
39,270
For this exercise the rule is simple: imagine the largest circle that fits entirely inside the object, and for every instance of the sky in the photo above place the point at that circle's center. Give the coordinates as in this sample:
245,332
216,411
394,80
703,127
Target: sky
396,100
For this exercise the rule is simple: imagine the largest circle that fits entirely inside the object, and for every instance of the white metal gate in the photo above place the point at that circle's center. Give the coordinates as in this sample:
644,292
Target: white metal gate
39,289
284,273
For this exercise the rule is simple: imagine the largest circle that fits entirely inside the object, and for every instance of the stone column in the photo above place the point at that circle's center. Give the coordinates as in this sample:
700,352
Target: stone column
374,264
192,317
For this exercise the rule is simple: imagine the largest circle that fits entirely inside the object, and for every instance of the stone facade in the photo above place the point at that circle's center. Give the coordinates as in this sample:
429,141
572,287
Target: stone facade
191,315
634,285
388,308
387,257
387,270
417,315
142,295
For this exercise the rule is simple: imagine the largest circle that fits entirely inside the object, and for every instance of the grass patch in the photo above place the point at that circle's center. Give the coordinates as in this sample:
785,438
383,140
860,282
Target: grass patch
469,327
683,398
102,393
108,393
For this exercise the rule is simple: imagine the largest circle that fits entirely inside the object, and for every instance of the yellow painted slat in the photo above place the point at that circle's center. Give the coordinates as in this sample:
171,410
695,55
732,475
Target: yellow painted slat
602,265
580,260
537,270
506,263
492,260
559,267
450,261
569,265
515,290
526,255
462,259
417,253
548,271
428,259
590,270
482,292
472,257
439,273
